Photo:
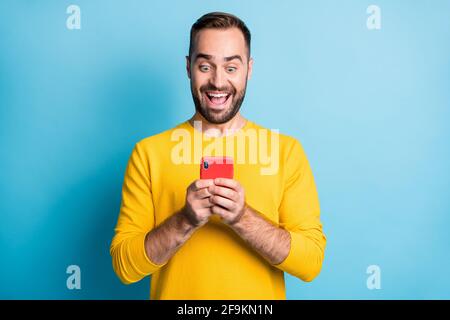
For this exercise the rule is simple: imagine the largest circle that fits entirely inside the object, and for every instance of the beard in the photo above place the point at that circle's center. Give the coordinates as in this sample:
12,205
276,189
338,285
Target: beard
213,116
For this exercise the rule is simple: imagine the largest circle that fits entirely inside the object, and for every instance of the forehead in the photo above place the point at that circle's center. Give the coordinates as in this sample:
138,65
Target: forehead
220,42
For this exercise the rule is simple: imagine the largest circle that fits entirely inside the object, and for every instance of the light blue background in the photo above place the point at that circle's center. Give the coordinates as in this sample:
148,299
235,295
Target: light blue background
371,108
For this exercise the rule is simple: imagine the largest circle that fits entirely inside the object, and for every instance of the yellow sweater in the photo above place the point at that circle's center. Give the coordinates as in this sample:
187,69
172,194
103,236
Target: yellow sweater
215,263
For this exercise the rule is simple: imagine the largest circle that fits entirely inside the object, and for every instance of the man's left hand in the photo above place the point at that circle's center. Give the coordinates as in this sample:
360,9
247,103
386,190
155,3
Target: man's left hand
228,198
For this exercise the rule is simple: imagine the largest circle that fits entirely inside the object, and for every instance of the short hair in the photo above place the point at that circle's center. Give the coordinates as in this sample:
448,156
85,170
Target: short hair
219,20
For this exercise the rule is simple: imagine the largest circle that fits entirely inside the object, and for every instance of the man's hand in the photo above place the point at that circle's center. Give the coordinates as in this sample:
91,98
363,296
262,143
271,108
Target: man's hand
228,199
162,242
198,205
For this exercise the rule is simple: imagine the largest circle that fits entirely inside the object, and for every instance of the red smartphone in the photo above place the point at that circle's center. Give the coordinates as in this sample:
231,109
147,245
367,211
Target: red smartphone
216,167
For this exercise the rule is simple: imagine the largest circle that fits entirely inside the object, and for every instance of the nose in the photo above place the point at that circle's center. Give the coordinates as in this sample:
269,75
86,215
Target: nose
218,78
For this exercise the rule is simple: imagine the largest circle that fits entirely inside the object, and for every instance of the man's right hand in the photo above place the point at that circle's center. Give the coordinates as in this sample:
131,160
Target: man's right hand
198,206
162,242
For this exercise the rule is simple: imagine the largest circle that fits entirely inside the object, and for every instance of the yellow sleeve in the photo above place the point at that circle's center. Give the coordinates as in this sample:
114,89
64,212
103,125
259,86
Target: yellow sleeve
136,219
299,214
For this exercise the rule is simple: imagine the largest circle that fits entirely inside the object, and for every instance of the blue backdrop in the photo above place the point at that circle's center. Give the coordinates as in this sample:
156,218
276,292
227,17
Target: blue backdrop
371,108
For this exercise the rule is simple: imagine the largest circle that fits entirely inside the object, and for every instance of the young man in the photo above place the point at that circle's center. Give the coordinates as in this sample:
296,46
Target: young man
218,238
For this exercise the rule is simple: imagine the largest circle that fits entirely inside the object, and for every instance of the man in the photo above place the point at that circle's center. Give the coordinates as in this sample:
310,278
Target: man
218,238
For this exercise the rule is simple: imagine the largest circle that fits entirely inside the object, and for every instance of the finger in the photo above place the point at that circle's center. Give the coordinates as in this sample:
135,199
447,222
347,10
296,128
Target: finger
224,192
202,183
202,193
220,211
203,203
230,183
224,202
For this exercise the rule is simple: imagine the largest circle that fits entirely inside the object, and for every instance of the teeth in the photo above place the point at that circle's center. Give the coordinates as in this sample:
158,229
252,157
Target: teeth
217,95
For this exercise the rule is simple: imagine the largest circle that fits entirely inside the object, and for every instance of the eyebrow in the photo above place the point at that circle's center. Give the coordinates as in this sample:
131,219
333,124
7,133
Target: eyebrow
236,56
209,57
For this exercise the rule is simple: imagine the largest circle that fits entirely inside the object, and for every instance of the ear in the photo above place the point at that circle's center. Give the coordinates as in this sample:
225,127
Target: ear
250,68
188,66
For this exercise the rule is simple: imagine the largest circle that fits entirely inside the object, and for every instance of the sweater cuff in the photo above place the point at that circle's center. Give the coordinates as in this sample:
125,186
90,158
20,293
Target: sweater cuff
141,260
295,259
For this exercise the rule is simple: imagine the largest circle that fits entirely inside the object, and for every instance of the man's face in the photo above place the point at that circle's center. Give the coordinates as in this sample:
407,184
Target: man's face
219,69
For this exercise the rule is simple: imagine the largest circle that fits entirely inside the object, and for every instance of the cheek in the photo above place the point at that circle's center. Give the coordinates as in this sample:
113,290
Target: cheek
239,81
239,85
198,80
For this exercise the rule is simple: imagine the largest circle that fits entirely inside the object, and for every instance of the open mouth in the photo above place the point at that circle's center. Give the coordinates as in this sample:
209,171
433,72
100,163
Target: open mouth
217,98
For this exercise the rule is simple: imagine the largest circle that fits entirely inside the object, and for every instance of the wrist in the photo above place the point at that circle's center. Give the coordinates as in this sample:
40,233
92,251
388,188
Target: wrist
188,221
240,221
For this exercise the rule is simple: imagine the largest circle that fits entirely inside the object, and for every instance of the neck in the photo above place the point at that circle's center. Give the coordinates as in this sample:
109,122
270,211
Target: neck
223,129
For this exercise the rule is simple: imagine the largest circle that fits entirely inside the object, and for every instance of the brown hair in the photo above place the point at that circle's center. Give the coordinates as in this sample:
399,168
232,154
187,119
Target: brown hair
219,20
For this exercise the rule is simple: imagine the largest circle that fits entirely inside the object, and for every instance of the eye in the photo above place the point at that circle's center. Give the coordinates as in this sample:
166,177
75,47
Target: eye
231,69
204,68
